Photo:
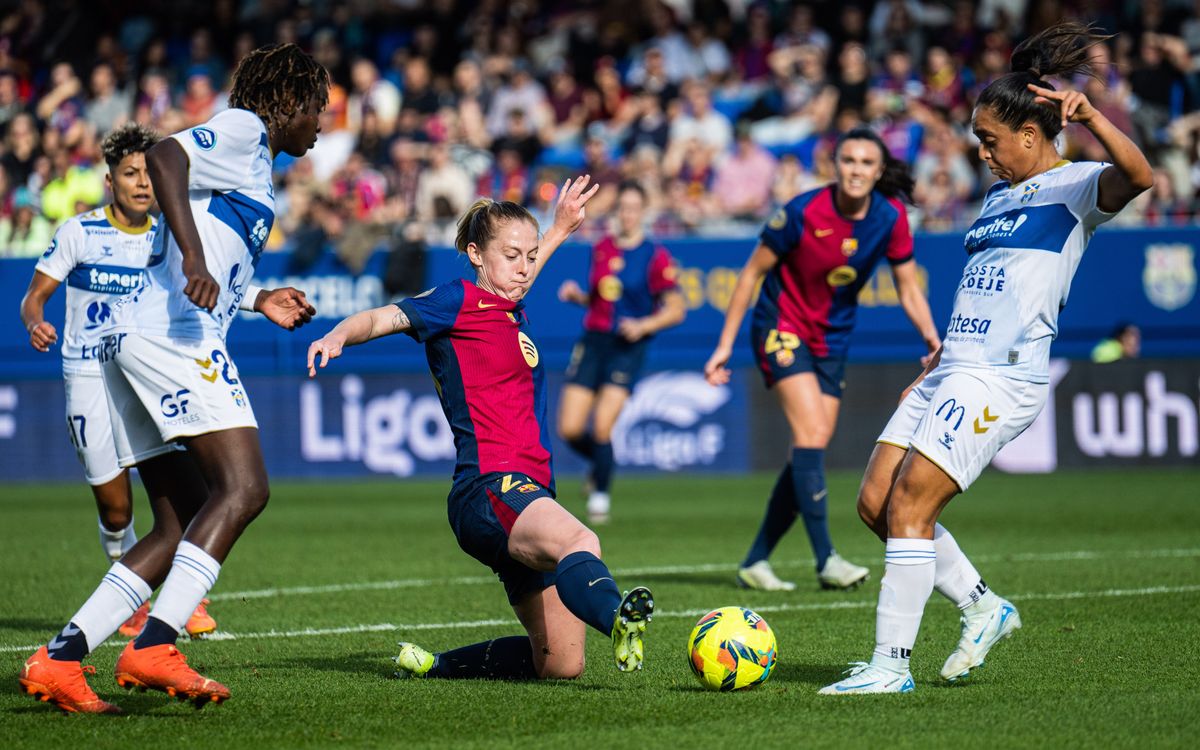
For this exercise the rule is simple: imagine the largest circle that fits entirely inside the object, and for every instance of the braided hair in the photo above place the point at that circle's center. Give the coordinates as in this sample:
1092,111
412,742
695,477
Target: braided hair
276,81
1061,50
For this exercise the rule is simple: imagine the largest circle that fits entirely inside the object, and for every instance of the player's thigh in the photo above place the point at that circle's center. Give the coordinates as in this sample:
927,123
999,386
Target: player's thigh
557,636
805,409
609,403
574,408
545,532
921,490
230,461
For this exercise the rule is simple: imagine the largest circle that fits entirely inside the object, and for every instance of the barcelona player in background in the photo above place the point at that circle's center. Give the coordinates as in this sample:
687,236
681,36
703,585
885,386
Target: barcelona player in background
816,253
992,378
502,507
631,296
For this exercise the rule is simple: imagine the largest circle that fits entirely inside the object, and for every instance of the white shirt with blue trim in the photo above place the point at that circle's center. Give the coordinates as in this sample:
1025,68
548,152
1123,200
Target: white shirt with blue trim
1022,253
233,203
100,260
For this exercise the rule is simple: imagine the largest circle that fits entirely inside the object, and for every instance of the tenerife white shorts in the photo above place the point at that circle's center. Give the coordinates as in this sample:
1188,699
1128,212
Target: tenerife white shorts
162,389
90,426
960,420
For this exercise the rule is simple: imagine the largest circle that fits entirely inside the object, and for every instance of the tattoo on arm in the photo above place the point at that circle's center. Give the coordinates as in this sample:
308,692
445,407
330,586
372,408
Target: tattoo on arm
400,321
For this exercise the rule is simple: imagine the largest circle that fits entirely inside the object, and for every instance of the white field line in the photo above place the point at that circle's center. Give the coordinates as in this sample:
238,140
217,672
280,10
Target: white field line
386,627
408,583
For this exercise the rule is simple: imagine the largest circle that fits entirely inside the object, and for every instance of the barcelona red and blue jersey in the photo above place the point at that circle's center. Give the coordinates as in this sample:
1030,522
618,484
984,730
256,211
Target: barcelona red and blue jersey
625,283
824,260
489,378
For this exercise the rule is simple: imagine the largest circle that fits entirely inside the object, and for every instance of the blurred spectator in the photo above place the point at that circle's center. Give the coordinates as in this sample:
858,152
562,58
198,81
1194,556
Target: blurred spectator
72,188
109,106
10,99
700,122
374,94
444,190
199,98
649,126
507,179
942,153
801,31
519,91
1125,342
21,149
418,90
25,233
744,178
61,106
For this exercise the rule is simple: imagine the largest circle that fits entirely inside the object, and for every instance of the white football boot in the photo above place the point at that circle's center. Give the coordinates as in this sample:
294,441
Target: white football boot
840,573
598,504
984,624
761,577
869,679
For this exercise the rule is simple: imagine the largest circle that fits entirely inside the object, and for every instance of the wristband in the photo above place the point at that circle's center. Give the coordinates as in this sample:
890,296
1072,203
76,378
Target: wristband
251,297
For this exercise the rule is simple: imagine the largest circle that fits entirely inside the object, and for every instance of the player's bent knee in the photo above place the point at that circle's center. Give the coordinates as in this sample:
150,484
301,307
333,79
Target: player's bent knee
561,667
584,540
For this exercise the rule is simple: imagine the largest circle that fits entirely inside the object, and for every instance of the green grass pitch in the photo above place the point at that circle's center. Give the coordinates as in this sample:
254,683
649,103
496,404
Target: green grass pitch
1102,565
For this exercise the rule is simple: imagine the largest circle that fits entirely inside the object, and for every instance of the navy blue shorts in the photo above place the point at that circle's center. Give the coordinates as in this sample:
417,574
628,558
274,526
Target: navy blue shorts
606,359
482,512
780,355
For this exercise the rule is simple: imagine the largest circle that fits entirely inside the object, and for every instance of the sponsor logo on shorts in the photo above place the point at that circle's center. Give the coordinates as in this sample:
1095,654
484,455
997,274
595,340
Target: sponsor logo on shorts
110,346
987,418
525,489
174,407
946,440
952,409
239,397
785,357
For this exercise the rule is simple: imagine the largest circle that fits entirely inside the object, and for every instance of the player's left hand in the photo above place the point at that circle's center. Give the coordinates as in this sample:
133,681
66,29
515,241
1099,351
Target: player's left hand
1073,106
287,308
572,199
633,329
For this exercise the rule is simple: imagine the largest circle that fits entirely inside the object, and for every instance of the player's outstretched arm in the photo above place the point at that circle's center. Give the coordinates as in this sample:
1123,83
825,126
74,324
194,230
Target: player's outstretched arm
1130,175
671,313
762,260
356,329
569,214
33,305
167,163
286,307
570,292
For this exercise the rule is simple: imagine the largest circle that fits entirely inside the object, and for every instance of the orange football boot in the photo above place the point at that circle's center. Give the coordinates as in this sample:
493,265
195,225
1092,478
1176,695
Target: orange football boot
165,668
136,622
63,683
201,622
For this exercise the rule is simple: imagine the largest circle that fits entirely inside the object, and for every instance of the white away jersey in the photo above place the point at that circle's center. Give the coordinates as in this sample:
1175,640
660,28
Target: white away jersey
233,203
100,260
1022,253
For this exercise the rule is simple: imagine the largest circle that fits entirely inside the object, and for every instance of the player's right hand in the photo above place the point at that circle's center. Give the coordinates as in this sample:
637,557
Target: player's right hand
569,291
322,350
202,289
42,336
715,371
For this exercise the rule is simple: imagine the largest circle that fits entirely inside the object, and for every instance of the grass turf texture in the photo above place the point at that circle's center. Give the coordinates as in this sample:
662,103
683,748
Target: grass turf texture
1086,670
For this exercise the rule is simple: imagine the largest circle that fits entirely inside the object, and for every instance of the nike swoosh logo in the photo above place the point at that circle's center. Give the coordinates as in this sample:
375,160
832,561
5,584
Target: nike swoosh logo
823,233
1004,613
598,580
483,305
841,689
820,496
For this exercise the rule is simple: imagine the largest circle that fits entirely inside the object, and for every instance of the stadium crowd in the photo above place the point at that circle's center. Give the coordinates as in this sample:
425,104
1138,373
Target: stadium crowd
722,110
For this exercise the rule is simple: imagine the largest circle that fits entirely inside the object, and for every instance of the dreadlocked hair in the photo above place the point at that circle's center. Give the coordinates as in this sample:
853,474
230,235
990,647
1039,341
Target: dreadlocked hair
897,181
277,81
482,220
1061,50
130,138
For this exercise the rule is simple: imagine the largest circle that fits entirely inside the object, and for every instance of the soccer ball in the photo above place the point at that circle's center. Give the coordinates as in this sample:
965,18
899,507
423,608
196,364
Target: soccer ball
731,648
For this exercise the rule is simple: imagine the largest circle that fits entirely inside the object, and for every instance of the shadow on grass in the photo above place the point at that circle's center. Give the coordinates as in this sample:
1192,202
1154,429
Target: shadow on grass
22,623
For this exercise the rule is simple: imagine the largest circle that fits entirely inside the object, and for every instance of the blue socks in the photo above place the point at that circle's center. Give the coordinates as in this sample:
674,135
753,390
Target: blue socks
582,445
602,465
69,645
588,590
156,633
808,477
781,514
508,658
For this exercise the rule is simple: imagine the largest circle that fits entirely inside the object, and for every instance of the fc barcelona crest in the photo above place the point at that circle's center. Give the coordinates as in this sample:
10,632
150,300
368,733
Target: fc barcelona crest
1169,278
849,246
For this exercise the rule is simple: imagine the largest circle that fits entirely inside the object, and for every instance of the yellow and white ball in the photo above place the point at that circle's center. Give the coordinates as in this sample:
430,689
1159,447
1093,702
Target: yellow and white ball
731,648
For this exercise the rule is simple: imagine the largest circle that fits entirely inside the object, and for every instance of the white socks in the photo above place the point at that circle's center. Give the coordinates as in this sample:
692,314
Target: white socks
907,583
117,543
956,578
193,573
120,593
